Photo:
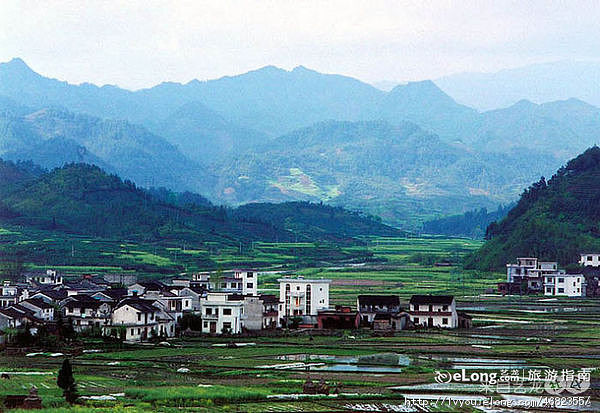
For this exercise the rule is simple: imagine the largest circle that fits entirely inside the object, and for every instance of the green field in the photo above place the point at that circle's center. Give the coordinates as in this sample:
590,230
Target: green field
528,331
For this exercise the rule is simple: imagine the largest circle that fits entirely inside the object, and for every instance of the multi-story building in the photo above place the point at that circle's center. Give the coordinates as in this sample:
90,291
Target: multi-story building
11,294
270,311
569,285
527,275
370,305
222,313
433,311
303,297
141,319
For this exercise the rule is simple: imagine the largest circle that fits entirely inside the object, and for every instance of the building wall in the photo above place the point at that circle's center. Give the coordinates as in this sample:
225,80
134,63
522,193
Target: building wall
253,313
440,315
304,297
218,313
565,285
590,260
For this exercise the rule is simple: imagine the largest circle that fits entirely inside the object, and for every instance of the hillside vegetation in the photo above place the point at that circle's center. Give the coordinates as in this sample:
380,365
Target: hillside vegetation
553,220
83,199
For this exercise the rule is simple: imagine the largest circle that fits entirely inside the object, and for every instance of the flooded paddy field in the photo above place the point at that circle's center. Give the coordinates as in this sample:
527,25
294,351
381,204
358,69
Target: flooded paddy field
268,373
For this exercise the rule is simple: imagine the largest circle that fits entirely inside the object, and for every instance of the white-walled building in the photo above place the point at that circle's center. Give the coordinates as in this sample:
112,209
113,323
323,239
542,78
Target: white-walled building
433,311
589,260
568,285
222,312
140,319
50,277
301,297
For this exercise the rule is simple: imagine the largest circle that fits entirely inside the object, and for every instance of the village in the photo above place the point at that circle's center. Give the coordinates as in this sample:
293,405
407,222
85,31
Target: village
229,303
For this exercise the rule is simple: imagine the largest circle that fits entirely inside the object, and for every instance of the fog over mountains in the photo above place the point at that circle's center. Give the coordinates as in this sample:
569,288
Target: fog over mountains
544,82
274,135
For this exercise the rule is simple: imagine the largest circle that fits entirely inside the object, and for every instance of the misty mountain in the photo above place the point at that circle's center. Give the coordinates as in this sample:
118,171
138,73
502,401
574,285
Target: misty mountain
388,170
52,137
273,135
563,128
539,83
204,135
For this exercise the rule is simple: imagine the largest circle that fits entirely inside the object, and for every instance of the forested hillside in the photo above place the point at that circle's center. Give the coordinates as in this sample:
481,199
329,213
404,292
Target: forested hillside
472,224
83,199
553,220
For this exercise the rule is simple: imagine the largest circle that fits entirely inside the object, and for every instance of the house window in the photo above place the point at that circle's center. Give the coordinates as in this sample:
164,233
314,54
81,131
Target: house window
227,311
209,311
561,290
223,285
139,316
416,320
226,326
250,275
206,324
589,257
561,280
444,321
549,290
298,288
416,307
445,308
249,285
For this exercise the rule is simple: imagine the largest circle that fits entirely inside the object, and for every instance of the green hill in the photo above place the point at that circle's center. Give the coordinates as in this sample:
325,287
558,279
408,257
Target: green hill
83,199
554,220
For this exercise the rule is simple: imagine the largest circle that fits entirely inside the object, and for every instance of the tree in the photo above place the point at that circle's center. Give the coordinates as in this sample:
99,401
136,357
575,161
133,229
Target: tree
66,382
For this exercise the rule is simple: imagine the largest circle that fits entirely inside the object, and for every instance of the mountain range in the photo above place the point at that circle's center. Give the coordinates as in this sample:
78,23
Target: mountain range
272,135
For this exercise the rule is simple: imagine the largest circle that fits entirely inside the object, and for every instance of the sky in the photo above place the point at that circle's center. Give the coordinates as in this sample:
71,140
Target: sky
137,44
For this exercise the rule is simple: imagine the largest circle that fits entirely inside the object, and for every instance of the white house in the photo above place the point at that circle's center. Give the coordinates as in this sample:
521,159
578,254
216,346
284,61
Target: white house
40,308
433,311
140,319
11,294
86,312
249,280
589,260
50,277
222,313
302,296
569,285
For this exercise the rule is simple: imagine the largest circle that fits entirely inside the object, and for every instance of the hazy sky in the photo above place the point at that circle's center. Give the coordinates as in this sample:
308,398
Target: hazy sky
137,44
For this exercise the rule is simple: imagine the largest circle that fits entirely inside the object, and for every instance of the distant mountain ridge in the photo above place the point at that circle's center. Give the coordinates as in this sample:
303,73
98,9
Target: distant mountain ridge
273,135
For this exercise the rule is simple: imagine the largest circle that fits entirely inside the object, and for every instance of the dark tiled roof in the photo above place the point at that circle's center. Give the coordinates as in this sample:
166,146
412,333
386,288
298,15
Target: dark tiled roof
38,302
83,301
432,299
145,306
55,295
11,312
389,300
152,285
269,298
115,293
